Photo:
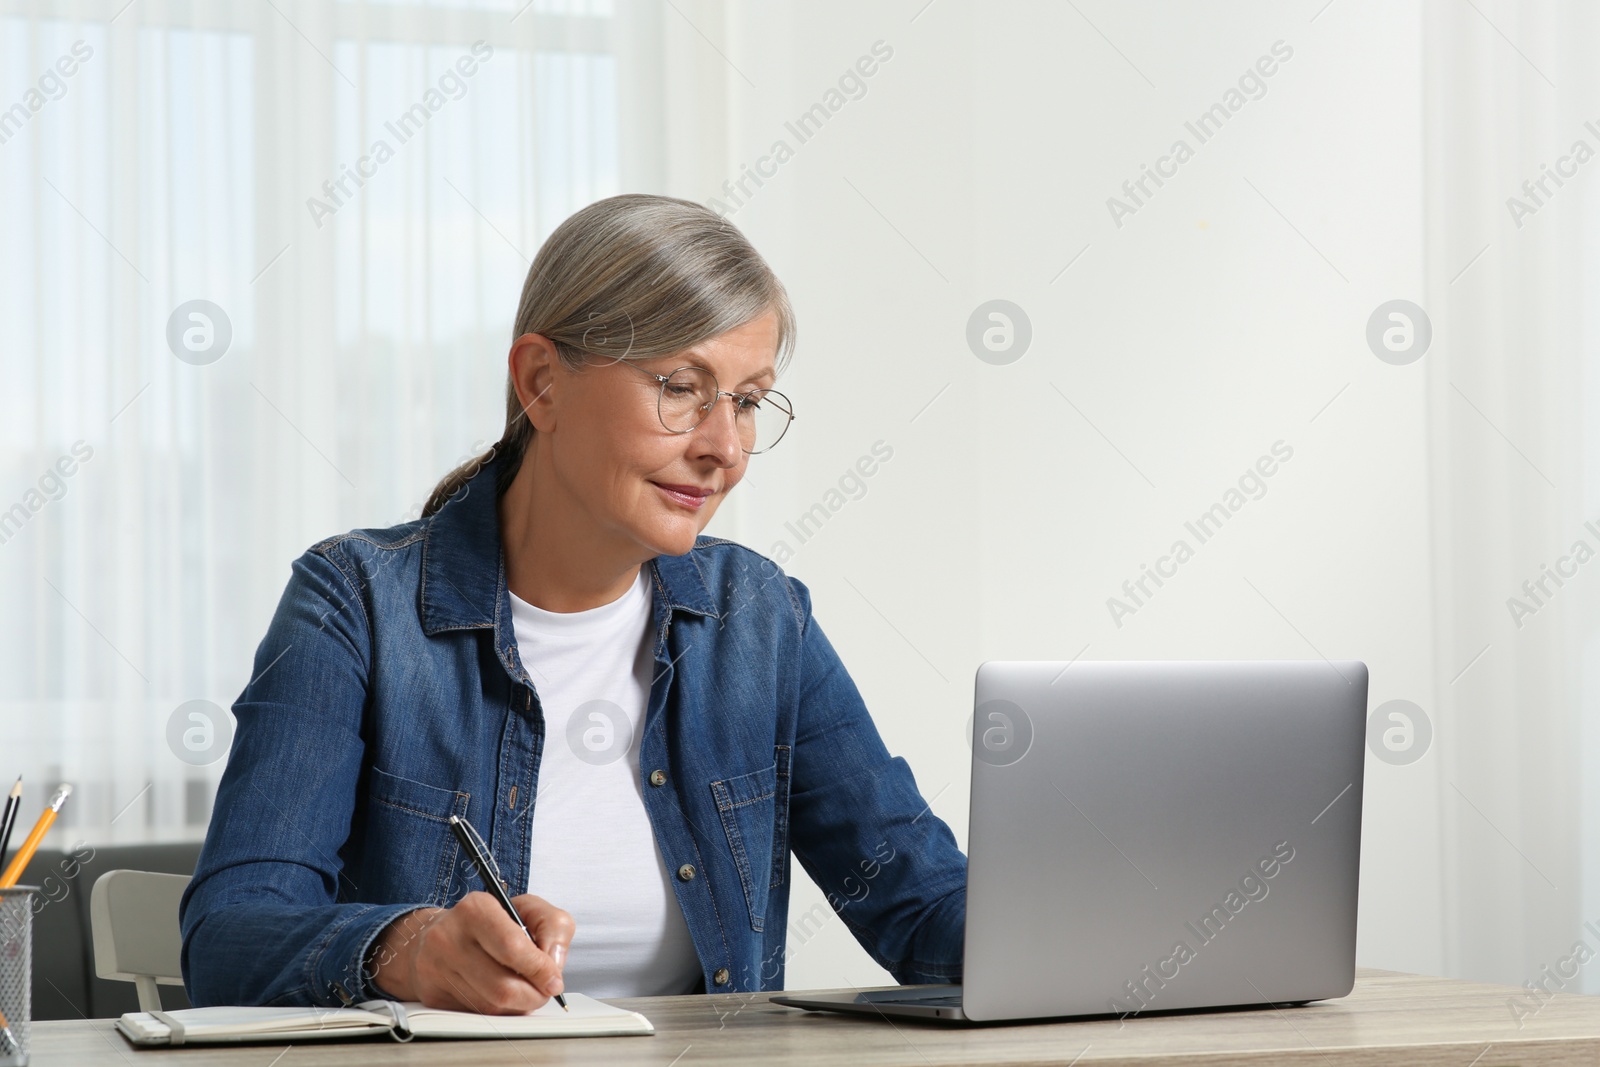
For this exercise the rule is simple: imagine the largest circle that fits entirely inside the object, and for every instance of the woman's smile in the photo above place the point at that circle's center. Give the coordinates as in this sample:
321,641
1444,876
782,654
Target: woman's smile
692,497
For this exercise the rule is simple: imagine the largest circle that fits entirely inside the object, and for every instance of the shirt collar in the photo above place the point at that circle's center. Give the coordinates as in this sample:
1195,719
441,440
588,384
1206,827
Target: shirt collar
463,566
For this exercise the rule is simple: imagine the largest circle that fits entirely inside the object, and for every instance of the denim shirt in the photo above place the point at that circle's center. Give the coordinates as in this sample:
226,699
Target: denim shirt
388,695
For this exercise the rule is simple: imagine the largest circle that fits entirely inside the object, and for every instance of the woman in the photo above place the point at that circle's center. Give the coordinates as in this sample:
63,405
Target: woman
555,634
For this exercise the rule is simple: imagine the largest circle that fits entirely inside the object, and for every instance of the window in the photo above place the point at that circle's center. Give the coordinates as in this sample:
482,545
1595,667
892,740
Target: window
154,484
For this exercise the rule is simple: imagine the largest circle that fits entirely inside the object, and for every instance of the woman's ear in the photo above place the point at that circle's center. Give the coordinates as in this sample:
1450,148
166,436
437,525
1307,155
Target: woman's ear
534,363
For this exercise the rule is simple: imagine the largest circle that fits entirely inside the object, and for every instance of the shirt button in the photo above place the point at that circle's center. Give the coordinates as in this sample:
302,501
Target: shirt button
686,872
658,777
721,977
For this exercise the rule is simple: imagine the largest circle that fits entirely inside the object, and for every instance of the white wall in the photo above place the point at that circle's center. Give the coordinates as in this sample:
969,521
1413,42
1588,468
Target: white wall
1204,329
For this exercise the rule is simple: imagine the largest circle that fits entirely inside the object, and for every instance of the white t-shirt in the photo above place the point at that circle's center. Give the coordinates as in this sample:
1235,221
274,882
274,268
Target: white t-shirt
594,853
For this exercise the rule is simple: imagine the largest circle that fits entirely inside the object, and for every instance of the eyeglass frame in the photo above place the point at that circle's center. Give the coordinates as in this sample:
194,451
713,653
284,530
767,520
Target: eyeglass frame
661,393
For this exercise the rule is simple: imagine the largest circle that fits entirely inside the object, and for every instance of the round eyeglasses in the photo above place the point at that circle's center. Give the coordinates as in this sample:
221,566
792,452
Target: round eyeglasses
688,394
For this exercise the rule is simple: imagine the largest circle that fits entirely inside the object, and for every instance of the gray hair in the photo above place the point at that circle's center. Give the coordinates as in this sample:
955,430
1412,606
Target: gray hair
631,277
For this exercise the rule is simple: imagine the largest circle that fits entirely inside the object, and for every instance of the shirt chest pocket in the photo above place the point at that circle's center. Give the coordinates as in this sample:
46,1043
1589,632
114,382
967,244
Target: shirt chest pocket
754,809
408,824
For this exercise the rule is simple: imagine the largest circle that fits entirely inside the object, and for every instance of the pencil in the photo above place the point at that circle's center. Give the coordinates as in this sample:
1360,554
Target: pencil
9,819
31,845
5,1031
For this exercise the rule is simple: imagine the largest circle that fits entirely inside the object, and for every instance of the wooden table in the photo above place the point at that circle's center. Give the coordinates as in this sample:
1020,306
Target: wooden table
1389,1018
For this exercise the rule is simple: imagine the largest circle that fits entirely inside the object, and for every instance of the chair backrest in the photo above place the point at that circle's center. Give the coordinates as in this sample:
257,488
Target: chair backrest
133,916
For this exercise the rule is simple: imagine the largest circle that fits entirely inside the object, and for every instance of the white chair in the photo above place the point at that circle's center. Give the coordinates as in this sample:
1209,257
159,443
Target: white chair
133,916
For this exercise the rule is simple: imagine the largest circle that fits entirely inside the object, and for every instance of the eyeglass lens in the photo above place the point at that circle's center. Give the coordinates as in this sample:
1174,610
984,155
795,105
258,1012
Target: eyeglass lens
761,415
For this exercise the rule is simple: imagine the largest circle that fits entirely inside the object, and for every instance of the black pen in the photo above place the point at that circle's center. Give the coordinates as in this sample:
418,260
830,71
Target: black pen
13,802
491,877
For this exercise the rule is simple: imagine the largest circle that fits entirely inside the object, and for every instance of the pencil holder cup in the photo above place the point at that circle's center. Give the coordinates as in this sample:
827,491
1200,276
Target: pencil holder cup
16,973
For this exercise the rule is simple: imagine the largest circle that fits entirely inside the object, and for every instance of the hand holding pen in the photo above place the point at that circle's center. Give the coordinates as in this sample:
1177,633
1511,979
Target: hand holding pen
474,847
469,958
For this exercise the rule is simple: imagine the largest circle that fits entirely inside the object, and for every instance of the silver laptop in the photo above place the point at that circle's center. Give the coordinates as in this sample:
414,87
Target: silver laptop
1154,836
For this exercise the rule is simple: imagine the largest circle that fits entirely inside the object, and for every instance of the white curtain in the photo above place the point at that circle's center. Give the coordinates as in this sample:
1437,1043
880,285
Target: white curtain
154,486
1511,289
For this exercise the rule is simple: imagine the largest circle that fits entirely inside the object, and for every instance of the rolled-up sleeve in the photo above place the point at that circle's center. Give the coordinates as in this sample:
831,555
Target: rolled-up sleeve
265,919
860,827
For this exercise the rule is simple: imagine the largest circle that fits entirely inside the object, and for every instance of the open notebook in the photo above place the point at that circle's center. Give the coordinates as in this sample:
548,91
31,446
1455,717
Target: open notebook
401,1020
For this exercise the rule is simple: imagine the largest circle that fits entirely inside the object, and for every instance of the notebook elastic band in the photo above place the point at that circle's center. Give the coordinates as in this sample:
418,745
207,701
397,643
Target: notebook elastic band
401,1031
176,1028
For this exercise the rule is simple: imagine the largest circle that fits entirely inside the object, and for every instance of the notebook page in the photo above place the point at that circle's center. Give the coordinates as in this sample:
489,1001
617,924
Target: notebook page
587,1017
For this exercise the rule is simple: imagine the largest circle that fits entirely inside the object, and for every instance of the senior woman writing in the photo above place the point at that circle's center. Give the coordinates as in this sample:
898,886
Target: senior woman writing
642,722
